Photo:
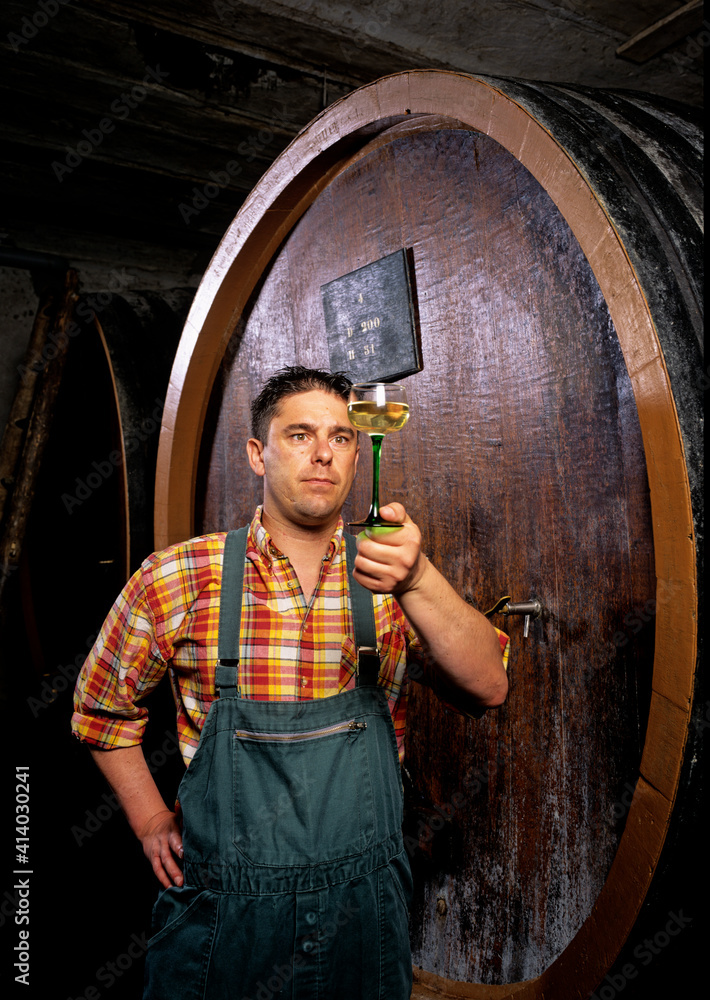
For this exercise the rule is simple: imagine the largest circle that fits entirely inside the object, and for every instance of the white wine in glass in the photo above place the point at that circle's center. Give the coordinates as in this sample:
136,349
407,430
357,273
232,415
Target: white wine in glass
377,408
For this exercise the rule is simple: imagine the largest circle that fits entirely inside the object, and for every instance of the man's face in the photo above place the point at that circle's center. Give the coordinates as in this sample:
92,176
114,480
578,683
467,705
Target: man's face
309,459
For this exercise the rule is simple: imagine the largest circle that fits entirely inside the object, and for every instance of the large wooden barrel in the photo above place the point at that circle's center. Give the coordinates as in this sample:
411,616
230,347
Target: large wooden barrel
552,452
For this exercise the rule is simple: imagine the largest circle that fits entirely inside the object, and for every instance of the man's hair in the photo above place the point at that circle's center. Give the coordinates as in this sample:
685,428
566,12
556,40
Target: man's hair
288,382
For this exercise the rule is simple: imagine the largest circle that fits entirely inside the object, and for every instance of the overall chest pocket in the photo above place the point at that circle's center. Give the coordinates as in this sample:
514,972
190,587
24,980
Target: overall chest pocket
302,797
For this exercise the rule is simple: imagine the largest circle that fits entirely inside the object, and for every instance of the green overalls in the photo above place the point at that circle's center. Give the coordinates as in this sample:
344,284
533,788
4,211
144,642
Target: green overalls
297,882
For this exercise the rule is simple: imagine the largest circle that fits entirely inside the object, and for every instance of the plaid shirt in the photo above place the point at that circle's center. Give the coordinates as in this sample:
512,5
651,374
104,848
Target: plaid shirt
167,616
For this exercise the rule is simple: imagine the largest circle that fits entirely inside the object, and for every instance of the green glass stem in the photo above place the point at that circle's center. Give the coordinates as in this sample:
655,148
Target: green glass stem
374,516
373,519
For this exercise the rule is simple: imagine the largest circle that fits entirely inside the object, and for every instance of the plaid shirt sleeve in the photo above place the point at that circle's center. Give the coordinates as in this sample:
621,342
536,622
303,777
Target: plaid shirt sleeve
123,666
167,614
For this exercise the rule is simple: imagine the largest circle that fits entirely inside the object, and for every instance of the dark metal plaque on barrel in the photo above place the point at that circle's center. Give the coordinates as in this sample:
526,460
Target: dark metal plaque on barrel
370,321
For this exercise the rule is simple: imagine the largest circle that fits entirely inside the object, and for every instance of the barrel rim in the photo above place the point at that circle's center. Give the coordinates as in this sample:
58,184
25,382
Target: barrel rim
271,210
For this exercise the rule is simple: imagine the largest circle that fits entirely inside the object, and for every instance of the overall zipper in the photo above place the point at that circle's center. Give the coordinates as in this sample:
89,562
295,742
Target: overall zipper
310,734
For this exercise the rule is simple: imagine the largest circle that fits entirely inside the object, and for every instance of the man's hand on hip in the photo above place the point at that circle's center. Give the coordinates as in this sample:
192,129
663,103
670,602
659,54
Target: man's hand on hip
162,844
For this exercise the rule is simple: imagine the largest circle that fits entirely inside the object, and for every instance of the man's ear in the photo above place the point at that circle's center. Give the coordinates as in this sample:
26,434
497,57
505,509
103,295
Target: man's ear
255,454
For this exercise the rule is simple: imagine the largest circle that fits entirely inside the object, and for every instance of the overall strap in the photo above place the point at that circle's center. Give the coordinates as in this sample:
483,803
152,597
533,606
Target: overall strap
230,613
368,657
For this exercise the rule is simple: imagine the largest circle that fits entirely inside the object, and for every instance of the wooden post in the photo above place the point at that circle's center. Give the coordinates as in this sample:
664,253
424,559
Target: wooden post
30,420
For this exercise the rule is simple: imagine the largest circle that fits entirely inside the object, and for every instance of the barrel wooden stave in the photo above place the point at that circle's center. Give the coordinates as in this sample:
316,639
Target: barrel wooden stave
645,163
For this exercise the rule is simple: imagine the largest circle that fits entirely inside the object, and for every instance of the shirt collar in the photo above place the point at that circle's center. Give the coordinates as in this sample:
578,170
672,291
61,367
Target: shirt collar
260,540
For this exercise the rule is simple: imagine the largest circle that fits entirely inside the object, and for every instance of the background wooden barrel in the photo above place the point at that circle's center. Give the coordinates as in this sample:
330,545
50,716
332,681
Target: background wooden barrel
552,452
100,457
90,525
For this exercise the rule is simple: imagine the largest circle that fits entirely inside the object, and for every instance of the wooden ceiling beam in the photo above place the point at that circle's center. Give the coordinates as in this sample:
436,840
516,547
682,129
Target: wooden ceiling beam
352,58
664,33
89,90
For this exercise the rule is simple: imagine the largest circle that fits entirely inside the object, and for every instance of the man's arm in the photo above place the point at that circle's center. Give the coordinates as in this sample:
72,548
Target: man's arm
155,825
459,639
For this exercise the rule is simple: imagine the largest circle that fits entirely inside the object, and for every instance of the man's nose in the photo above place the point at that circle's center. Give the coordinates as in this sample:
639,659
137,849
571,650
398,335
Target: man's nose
322,452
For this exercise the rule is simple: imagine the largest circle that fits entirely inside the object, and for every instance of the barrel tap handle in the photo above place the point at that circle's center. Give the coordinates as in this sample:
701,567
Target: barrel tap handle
530,609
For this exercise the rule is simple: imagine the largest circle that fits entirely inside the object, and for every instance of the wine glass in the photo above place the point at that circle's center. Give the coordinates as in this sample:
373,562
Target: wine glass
377,408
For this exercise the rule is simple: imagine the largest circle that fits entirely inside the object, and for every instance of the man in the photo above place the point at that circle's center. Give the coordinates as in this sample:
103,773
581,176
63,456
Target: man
283,863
